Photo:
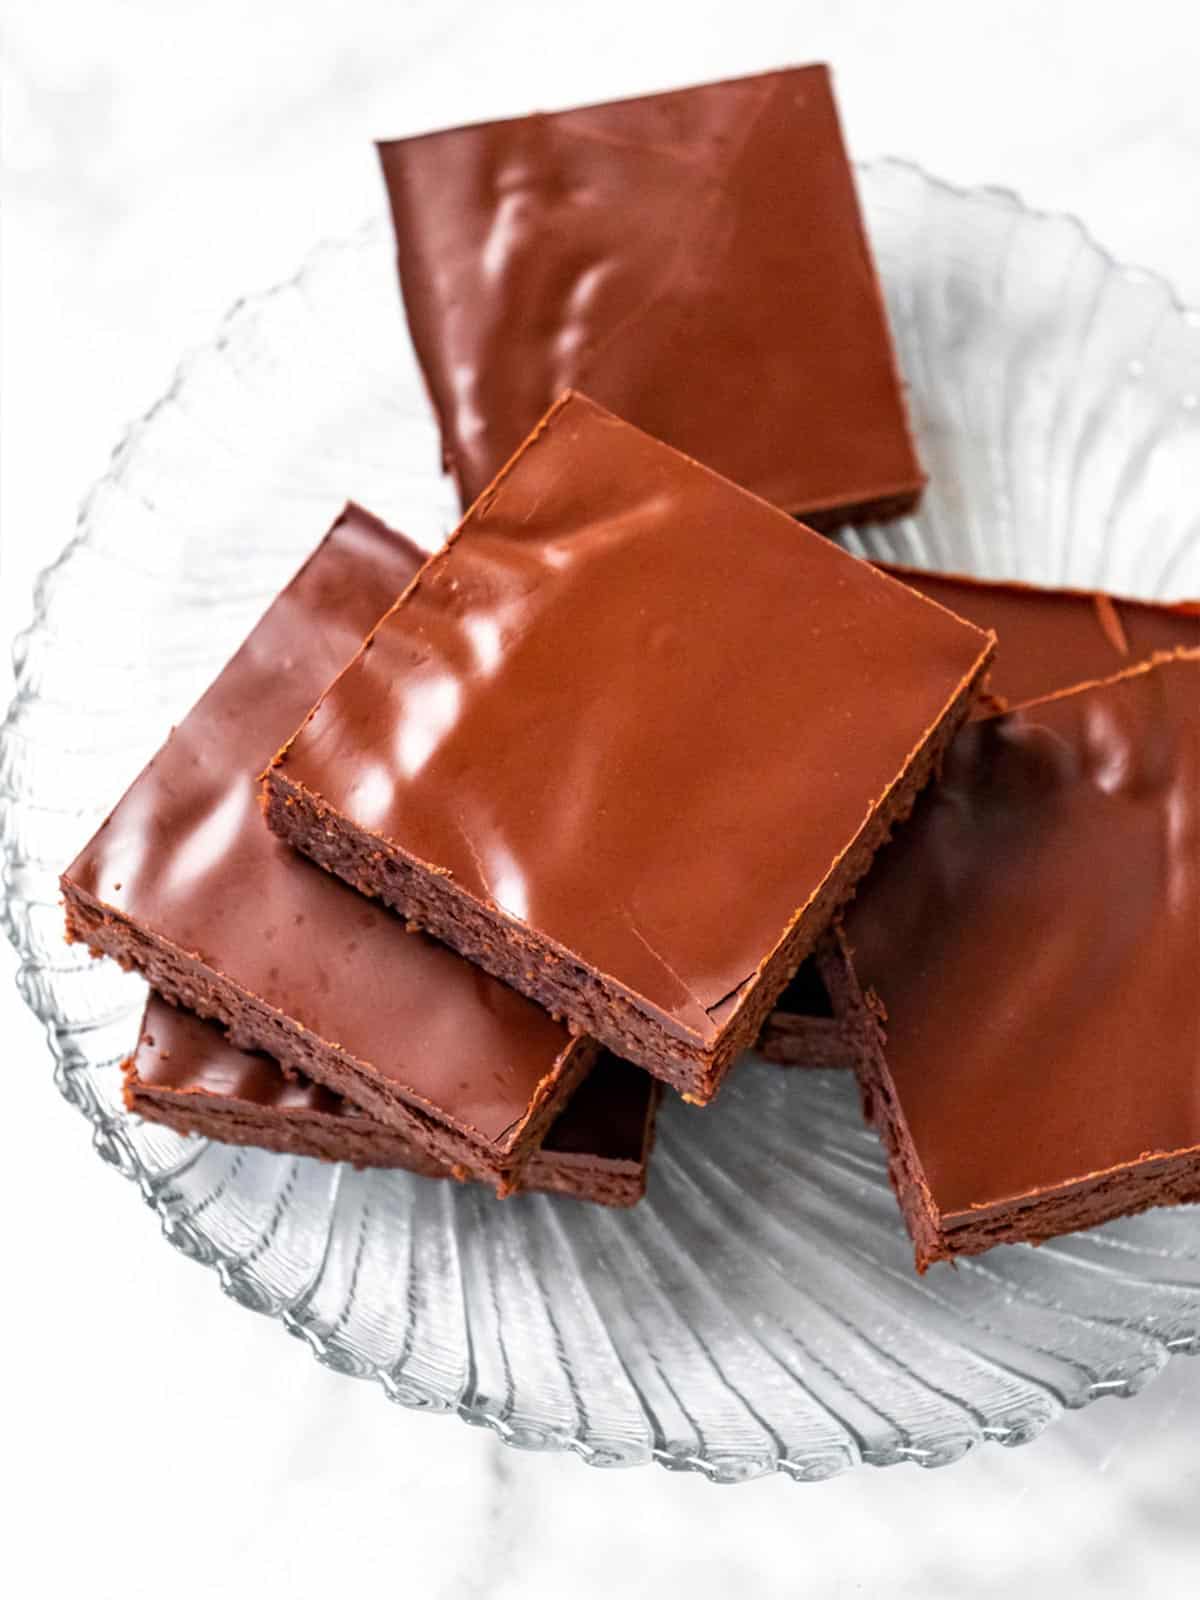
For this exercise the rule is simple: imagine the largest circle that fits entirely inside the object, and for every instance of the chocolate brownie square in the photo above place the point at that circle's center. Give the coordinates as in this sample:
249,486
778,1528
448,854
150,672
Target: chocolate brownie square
629,741
694,260
1033,935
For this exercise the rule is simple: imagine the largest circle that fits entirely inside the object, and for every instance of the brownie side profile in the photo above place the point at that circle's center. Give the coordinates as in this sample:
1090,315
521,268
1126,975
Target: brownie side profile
628,742
1048,640
188,1075
185,883
1042,1017
695,260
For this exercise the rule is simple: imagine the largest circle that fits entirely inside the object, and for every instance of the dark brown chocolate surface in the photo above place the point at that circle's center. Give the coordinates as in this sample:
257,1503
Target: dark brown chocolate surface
186,1073
694,260
1052,639
632,722
185,880
1034,936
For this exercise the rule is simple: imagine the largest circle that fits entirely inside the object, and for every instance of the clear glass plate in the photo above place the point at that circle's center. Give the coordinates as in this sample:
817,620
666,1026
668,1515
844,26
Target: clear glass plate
759,1311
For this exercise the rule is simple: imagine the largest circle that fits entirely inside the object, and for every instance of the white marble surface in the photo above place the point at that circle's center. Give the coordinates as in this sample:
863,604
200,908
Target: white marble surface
161,159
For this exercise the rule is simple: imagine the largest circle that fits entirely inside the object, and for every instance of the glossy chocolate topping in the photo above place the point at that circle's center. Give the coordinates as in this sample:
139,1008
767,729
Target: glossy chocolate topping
1052,639
606,1118
694,260
1034,934
637,709
187,855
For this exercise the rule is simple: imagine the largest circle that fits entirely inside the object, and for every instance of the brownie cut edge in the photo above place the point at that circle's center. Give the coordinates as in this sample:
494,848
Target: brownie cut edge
1035,1068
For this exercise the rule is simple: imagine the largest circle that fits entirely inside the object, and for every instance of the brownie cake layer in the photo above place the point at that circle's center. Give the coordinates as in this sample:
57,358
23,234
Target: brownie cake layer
628,742
1034,937
185,882
188,1075
1047,640
694,260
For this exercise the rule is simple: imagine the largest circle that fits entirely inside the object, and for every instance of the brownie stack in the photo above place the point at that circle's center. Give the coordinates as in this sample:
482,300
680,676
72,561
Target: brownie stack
461,859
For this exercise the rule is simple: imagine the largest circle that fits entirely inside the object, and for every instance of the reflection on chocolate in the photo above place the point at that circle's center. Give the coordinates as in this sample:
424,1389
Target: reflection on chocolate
695,260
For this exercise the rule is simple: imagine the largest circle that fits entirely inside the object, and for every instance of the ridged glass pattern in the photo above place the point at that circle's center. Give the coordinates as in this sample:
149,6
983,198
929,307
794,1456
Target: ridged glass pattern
759,1312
